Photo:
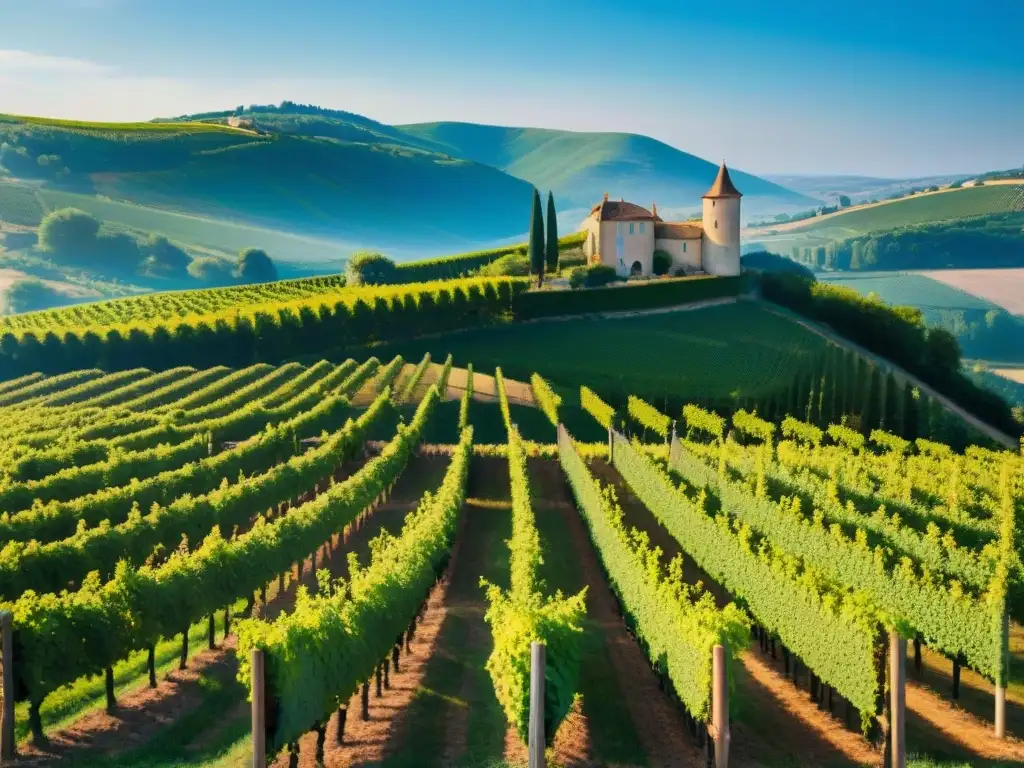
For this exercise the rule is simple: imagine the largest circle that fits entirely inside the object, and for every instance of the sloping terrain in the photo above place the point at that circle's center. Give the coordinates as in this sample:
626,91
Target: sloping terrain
318,180
580,167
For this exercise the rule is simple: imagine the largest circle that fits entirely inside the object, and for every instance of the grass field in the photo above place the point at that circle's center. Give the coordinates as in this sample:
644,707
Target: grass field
1002,287
19,205
86,125
918,209
927,291
705,354
209,233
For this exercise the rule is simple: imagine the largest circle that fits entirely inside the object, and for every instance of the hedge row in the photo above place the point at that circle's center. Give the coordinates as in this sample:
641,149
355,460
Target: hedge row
390,315
650,295
451,267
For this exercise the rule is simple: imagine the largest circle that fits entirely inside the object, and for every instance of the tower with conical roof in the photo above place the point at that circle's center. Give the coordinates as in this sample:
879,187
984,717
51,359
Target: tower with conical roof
721,246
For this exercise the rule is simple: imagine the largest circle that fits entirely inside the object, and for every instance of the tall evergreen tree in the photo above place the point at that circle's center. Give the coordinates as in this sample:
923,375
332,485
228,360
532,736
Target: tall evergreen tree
910,411
793,399
850,372
833,385
551,249
871,413
893,419
537,239
807,388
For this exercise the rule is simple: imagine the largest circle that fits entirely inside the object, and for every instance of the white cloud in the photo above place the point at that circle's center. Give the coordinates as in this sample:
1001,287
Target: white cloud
25,62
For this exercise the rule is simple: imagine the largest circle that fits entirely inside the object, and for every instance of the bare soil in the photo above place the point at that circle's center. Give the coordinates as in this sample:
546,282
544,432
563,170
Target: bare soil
141,715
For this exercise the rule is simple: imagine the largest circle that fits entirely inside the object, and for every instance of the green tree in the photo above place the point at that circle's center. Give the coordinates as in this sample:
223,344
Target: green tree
255,266
537,239
893,419
551,247
30,295
871,413
941,353
910,411
162,258
661,263
69,231
369,268
211,270
844,201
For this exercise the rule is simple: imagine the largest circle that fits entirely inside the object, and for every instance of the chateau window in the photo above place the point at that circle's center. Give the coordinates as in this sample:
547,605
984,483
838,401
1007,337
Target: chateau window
684,247
716,223
631,227
641,227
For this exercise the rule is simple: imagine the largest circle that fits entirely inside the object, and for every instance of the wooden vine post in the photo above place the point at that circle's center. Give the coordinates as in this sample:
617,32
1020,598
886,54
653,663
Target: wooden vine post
898,698
259,709
536,732
719,729
611,445
7,715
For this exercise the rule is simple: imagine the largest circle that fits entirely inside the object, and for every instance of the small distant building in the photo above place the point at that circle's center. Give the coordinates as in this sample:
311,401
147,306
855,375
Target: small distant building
625,235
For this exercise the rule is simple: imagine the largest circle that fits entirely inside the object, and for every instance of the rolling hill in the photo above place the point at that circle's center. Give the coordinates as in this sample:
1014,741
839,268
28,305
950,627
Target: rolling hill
966,227
580,167
311,185
309,178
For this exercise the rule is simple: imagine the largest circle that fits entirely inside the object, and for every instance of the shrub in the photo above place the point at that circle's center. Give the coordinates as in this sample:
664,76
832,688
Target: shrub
662,262
68,230
578,278
370,268
515,264
600,274
211,270
31,295
572,258
255,266
645,295
163,258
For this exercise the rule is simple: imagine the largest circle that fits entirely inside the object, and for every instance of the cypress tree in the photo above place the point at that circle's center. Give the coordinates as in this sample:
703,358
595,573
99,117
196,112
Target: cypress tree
833,386
815,390
910,406
793,399
537,239
849,404
893,420
871,414
551,250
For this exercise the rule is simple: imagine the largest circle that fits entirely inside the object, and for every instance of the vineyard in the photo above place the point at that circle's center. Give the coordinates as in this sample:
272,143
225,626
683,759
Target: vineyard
919,209
363,553
19,205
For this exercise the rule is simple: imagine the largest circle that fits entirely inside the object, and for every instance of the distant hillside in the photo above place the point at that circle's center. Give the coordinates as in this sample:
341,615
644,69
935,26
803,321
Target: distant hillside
828,187
327,177
949,228
923,208
581,167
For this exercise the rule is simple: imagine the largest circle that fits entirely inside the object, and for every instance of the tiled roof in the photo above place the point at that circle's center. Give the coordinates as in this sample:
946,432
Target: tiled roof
610,210
723,186
678,230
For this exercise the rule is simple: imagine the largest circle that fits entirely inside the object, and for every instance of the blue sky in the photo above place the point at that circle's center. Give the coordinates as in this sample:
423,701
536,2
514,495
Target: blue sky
871,87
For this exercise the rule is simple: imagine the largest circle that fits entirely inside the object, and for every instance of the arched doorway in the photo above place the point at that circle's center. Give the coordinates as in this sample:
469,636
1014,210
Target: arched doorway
636,270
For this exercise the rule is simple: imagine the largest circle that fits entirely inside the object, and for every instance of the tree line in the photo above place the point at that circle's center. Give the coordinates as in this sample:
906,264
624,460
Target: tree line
898,334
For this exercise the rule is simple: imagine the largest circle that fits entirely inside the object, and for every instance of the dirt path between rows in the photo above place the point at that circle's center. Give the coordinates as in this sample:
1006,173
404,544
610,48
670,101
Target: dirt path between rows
656,722
774,722
370,741
142,714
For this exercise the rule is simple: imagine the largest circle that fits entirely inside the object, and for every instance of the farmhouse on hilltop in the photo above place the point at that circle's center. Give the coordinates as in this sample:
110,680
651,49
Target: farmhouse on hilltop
625,235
